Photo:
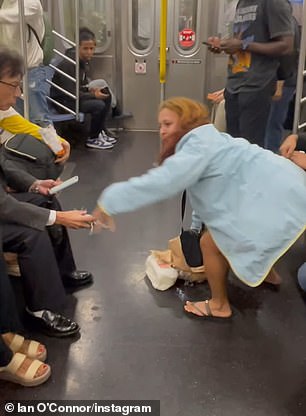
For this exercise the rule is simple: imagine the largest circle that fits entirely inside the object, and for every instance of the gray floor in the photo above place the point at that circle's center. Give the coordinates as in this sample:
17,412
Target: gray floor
137,343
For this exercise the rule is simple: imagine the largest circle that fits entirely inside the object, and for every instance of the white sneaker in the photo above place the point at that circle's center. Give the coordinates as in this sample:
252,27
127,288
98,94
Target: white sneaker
98,144
106,138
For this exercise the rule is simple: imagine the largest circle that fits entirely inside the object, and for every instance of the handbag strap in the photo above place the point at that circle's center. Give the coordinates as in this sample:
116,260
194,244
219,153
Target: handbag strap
183,207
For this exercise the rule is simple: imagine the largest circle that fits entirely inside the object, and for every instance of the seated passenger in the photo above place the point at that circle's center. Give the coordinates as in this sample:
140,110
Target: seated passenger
241,192
27,162
23,231
38,72
95,101
21,360
293,148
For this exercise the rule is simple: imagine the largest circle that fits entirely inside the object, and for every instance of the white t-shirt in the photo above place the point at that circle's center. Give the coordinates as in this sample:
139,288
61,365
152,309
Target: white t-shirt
10,32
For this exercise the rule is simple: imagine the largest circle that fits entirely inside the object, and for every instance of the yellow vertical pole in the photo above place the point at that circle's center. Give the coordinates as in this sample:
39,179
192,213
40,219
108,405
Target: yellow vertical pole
163,47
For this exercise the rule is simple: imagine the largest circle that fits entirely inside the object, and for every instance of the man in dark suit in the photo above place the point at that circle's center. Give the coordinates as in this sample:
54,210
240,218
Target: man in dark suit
23,231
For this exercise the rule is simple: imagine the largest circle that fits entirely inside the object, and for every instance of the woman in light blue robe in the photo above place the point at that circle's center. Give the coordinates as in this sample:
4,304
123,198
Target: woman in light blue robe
252,201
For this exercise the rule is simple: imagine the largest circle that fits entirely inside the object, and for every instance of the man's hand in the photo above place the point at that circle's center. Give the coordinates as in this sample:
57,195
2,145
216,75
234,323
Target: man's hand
278,91
230,46
74,219
214,44
63,158
288,146
216,97
299,158
98,94
43,186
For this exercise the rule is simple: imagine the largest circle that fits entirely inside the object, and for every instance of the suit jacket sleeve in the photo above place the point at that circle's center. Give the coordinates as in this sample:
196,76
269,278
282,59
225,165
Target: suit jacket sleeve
23,213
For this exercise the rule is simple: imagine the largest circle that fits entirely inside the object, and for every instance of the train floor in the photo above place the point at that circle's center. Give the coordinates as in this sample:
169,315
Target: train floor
137,343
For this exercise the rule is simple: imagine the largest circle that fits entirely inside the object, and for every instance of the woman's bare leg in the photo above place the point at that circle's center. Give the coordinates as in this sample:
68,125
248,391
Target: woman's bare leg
217,269
273,277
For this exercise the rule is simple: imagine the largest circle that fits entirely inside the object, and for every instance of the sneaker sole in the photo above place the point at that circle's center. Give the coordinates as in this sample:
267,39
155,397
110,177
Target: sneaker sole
92,146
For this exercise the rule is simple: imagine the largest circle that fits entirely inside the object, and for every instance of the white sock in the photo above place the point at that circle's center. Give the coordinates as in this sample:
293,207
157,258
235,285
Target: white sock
38,314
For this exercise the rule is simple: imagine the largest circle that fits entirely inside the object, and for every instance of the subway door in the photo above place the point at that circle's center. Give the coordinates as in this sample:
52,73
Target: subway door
140,70
188,27
189,23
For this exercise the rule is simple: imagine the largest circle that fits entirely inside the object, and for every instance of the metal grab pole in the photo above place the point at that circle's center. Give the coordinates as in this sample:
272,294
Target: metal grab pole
23,41
163,47
299,100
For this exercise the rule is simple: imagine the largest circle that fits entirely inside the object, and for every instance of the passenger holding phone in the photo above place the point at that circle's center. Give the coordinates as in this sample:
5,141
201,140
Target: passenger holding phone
262,32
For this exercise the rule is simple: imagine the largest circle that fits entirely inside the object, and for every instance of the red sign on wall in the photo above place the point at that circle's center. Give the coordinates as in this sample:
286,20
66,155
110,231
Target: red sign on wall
187,38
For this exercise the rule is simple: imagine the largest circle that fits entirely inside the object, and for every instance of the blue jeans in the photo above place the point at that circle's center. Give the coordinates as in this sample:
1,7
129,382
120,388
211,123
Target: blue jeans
98,109
38,90
277,117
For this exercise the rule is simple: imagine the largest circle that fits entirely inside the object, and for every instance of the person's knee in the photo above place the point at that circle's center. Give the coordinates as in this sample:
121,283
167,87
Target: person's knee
208,245
99,108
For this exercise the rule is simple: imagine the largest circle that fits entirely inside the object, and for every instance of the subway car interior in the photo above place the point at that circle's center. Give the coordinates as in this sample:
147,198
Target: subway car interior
136,342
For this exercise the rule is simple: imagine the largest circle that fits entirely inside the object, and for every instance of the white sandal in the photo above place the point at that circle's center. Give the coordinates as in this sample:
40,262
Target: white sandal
9,373
16,344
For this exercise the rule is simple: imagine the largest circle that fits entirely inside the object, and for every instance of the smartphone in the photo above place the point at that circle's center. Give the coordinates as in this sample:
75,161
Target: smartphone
63,185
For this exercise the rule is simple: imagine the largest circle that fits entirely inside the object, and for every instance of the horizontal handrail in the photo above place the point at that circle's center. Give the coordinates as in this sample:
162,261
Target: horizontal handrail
61,89
64,56
62,72
64,38
61,105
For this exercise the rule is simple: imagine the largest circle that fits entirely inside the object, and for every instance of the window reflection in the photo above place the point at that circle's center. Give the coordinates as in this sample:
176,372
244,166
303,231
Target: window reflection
142,28
186,27
93,14
227,9
187,14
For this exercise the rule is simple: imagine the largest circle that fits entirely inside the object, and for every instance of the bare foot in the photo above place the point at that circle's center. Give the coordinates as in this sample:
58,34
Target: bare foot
26,364
273,278
24,349
208,308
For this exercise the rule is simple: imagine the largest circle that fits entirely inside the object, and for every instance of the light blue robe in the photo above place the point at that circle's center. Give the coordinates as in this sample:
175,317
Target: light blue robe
252,201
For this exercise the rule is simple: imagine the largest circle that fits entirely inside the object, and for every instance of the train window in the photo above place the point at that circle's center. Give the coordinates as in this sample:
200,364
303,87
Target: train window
186,14
141,24
297,9
227,9
94,14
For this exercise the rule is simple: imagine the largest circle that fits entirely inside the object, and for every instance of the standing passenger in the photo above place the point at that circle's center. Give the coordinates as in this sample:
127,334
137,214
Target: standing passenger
37,71
287,77
262,32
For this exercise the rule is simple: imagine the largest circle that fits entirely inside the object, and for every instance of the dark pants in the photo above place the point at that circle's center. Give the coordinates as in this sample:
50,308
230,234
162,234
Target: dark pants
9,320
43,259
98,109
247,113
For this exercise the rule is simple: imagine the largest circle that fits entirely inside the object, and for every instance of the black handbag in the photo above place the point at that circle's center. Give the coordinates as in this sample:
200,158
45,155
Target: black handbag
24,152
190,241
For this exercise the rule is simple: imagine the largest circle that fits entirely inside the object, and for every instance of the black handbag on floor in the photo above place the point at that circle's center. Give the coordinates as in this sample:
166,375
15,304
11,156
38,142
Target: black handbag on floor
190,241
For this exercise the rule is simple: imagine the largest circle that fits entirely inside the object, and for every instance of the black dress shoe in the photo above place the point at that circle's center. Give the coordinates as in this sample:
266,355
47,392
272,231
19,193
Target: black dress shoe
78,278
54,324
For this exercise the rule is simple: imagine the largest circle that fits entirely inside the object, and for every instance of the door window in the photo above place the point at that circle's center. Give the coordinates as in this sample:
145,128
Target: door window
94,14
186,14
141,18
